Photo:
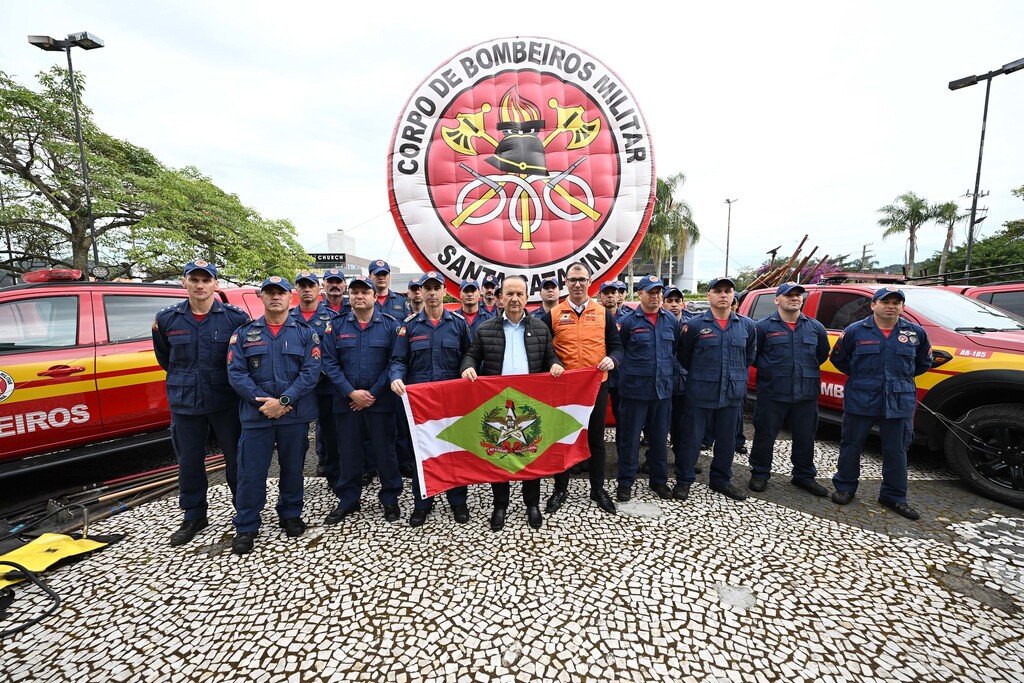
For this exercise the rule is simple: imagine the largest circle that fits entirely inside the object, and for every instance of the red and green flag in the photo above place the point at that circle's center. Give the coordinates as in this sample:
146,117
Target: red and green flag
499,428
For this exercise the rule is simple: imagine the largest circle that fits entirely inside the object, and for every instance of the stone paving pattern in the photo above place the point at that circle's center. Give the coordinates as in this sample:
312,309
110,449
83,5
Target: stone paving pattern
706,591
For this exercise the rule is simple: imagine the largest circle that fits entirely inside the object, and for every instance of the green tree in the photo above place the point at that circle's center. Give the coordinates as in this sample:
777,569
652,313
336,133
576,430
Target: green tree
907,215
148,218
948,215
1015,228
1003,248
671,227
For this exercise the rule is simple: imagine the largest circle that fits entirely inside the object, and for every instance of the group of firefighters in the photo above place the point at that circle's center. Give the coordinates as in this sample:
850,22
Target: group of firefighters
343,356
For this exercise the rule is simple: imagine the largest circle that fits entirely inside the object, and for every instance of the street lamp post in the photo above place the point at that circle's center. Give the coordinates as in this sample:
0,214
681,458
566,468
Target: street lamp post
728,230
86,41
963,83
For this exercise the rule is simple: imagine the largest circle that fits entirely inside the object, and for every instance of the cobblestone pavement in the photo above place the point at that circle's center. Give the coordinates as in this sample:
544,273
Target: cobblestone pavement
782,587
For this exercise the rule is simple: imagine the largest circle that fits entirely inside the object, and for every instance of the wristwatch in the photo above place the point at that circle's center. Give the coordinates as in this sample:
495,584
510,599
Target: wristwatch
284,400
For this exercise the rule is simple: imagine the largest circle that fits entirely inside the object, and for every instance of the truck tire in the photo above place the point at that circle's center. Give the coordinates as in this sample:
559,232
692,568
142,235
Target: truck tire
992,463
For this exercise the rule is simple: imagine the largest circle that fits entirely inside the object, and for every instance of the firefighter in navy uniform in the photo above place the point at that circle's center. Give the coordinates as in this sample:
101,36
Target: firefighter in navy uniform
650,341
548,297
190,340
430,348
356,355
790,350
334,291
388,300
469,293
716,352
488,294
314,312
274,365
881,354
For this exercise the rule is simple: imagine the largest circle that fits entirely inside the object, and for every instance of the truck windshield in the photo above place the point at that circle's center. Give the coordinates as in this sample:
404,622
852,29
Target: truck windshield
959,313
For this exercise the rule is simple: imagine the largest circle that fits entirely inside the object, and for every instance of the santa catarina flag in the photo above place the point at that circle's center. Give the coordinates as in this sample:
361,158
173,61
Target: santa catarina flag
499,428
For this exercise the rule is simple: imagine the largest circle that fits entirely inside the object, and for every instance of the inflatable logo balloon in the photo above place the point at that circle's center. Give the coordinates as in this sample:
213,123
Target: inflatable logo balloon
521,155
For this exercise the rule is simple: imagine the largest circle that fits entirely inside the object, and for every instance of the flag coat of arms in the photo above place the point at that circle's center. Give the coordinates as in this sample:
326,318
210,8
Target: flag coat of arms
499,428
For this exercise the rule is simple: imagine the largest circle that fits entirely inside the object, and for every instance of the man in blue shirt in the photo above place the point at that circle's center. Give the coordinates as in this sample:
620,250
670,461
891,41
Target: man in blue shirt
881,354
388,301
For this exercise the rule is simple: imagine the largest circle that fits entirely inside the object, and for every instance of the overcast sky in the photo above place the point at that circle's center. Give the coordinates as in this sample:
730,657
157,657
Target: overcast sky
812,114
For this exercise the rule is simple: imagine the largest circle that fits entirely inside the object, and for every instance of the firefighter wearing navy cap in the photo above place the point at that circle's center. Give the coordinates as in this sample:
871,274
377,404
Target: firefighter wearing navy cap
623,309
489,287
388,301
274,365
673,303
315,313
414,295
790,350
881,354
356,355
469,293
190,340
716,352
549,291
334,291
611,299
650,342
429,349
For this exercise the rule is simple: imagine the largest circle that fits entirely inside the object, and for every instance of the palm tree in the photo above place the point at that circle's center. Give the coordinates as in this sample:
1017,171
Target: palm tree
906,217
947,214
671,225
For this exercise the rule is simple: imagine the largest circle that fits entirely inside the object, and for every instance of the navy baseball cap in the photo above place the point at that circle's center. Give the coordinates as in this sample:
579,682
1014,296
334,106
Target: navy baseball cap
432,275
549,281
200,264
308,277
609,284
276,281
721,281
672,290
333,273
787,287
649,282
490,281
466,284
379,266
621,286
415,282
362,281
887,291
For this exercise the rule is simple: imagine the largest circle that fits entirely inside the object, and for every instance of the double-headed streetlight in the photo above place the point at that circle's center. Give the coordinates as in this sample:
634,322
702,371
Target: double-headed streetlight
86,41
963,83
728,230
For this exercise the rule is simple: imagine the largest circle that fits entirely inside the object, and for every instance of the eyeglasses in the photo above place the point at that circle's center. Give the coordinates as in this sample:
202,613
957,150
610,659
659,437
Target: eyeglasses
577,280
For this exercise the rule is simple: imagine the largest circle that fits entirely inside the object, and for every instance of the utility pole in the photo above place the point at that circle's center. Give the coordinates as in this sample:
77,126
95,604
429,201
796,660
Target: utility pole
864,256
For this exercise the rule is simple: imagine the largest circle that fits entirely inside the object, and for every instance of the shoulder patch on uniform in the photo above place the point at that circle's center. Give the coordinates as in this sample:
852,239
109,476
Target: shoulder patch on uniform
409,317
401,331
457,314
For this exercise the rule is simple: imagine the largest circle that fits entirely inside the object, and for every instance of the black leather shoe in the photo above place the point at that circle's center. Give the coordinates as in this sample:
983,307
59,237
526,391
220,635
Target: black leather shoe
730,491
293,527
368,478
902,509
706,445
461,514
623,494
339,513
681,491
533,517
406,471
742,450
812,487
243,542
498,519
842,497
757,484
188,530
603,501
418,517
392,513
661,491
556,500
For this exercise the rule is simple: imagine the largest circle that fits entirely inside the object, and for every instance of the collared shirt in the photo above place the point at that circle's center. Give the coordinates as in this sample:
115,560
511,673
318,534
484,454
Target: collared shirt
578,308
515,361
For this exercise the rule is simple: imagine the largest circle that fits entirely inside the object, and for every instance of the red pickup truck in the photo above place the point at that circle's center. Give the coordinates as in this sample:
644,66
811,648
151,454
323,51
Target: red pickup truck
77,372
970,404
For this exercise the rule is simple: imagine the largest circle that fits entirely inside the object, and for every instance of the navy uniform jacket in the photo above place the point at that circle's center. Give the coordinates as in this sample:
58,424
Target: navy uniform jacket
481,316
194,354
260,364
789,361
345,306
717,361
424,353
358,358
649,355
395,305
881,370
321,323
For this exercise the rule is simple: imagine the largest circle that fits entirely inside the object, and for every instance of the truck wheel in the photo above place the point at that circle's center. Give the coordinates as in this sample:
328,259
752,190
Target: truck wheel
987,452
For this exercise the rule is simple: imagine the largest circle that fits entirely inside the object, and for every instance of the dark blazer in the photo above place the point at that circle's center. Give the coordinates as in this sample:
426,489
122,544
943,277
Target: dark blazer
487,352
